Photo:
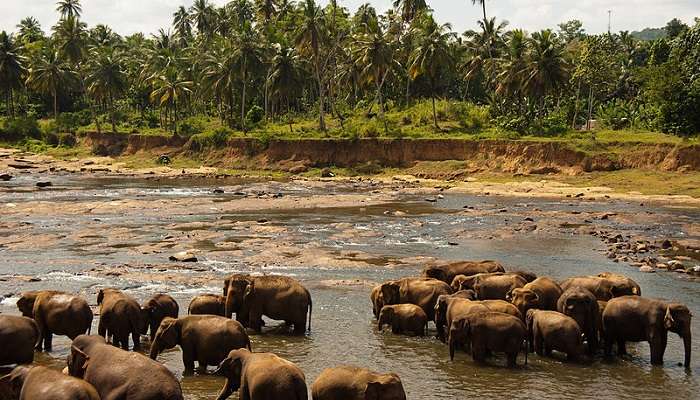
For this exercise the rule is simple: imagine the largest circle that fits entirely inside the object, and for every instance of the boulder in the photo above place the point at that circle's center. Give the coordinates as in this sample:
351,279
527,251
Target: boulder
43,184
327,173
646,268
184,256
5,177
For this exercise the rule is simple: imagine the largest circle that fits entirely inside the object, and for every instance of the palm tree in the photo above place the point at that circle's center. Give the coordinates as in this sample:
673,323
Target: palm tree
169,88
49,74
365,19
374,52
30,30
182,22
11,69
483,6
266,9
286,75
409,9
510,80
71,35
203,16
248,55
69,8
310,37
219,74
432,56
546,68
106,80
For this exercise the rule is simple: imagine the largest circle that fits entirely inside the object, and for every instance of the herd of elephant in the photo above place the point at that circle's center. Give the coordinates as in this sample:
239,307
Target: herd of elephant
478,306
97,369
475,305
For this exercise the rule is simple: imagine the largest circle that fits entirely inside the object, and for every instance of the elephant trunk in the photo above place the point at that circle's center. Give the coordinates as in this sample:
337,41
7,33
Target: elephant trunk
228,313
155,350
451,344
686,345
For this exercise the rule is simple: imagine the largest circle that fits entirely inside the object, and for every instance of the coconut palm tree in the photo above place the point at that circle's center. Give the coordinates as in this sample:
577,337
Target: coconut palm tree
30,30
69,8
182,23
310,37
286,76
169,89
512,65
248,55
483,6
106,79
546,67
409,9
203,15
432,56
49,74
71,35
12,69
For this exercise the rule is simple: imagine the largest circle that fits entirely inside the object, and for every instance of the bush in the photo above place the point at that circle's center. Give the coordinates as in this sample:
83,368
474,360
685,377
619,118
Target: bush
192,126
217,138
20,128
255,115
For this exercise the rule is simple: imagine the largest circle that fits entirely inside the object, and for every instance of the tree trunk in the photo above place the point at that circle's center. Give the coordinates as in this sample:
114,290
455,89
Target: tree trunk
321,116
483,6
111,114
590,109
243,97
432,92
55,108
578,94
175,115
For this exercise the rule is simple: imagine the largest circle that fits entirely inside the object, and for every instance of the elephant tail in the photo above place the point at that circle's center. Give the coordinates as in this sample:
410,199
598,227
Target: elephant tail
311,307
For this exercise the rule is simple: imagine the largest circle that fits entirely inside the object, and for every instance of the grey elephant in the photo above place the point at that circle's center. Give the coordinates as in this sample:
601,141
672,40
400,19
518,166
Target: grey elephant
542,293
637,319
119,374
581,305
18,336
422,292
277,297
622,285
206,339
552,330
605,286
449,308
34,383
261,376
489,332
493,286
155,309
211,304
403,318
55,312
377,300
504,307
446,272
120,316
353,383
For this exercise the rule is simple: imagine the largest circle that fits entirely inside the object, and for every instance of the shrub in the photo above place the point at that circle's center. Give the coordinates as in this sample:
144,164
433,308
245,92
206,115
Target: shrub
20,128
255,115
192,126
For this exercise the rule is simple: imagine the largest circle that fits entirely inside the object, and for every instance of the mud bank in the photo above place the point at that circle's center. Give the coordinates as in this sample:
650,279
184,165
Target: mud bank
485,155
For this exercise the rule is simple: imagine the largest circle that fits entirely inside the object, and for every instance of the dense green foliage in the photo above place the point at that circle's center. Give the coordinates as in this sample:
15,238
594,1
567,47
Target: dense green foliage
265,65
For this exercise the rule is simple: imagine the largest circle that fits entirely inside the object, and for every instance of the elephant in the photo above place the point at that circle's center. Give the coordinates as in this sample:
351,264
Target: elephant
542,293
18,336
119,374
457,282
448,271
277,297
449,307
581,305
29,383
403,318
261,376
120,316
494,286
465,294
527,275
422,292
502,306
211,304
353,383
206,339
155,310
552,330
605,286
489,332
57,313
377,300
635,319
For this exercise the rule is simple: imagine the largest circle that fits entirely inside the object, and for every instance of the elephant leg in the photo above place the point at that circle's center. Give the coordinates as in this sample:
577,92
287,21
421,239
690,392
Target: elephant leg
124,342
254,321
201,364
300,327
102,329
479,354
188,357
154,329
136,337
48,338
657,345
621,349
538,345
512,359
547,350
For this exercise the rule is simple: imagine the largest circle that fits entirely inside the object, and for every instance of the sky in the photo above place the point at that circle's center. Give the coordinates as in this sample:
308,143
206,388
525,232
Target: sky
130,16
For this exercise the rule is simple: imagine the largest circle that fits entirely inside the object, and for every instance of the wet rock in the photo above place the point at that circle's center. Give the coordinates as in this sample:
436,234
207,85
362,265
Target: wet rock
327,173
299,169
43,184
544,171
431,199
453,243
262,221
666,244
683,258
21,166
611,255
528,219
218,191
674,265
646,268
641,248
164,159
184,256
5,177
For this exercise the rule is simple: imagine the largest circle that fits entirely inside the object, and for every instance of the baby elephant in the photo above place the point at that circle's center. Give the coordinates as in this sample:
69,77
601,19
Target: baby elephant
18,336
211,304
552,330
155,310
28,383
207,339
352,383
261,376
403,318
489,332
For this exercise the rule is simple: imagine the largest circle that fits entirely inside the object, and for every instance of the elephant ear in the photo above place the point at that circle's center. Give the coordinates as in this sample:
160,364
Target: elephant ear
669,322
390,293
78,362
249,292
100,296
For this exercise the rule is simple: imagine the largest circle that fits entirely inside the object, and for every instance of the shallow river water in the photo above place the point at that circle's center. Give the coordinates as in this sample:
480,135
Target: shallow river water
343,328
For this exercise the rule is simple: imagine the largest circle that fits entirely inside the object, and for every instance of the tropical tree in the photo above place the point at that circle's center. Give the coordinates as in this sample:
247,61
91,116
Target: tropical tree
71,36
49,74
30,30
203,15
248,55
310,37
286,76
12,69
182,23
170,88
219,77
432,55
483,6
546,68
409,9
69,8
106,80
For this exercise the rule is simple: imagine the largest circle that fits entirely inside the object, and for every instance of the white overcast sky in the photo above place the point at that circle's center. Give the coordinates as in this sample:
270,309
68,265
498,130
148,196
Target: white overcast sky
129,16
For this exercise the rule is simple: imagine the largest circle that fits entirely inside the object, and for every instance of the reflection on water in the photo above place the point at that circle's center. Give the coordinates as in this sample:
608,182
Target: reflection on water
343,330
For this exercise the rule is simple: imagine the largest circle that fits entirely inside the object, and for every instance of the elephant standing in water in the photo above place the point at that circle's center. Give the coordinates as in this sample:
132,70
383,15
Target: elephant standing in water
448,308
277,297
353,383
637,319
119,374
552,330
120,316
155,310
448,271
18,336
261,376
377,300
605,286
581,305
542,293
206,339
57,313
422,292
493,286
211,304
489,332
403,318
41,383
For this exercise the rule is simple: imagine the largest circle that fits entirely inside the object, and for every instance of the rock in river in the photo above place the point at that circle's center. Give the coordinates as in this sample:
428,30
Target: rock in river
646,268
184,256
5,177
43,184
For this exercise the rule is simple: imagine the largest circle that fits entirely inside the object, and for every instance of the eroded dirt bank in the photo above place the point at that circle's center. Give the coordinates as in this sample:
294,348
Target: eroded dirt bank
498,155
